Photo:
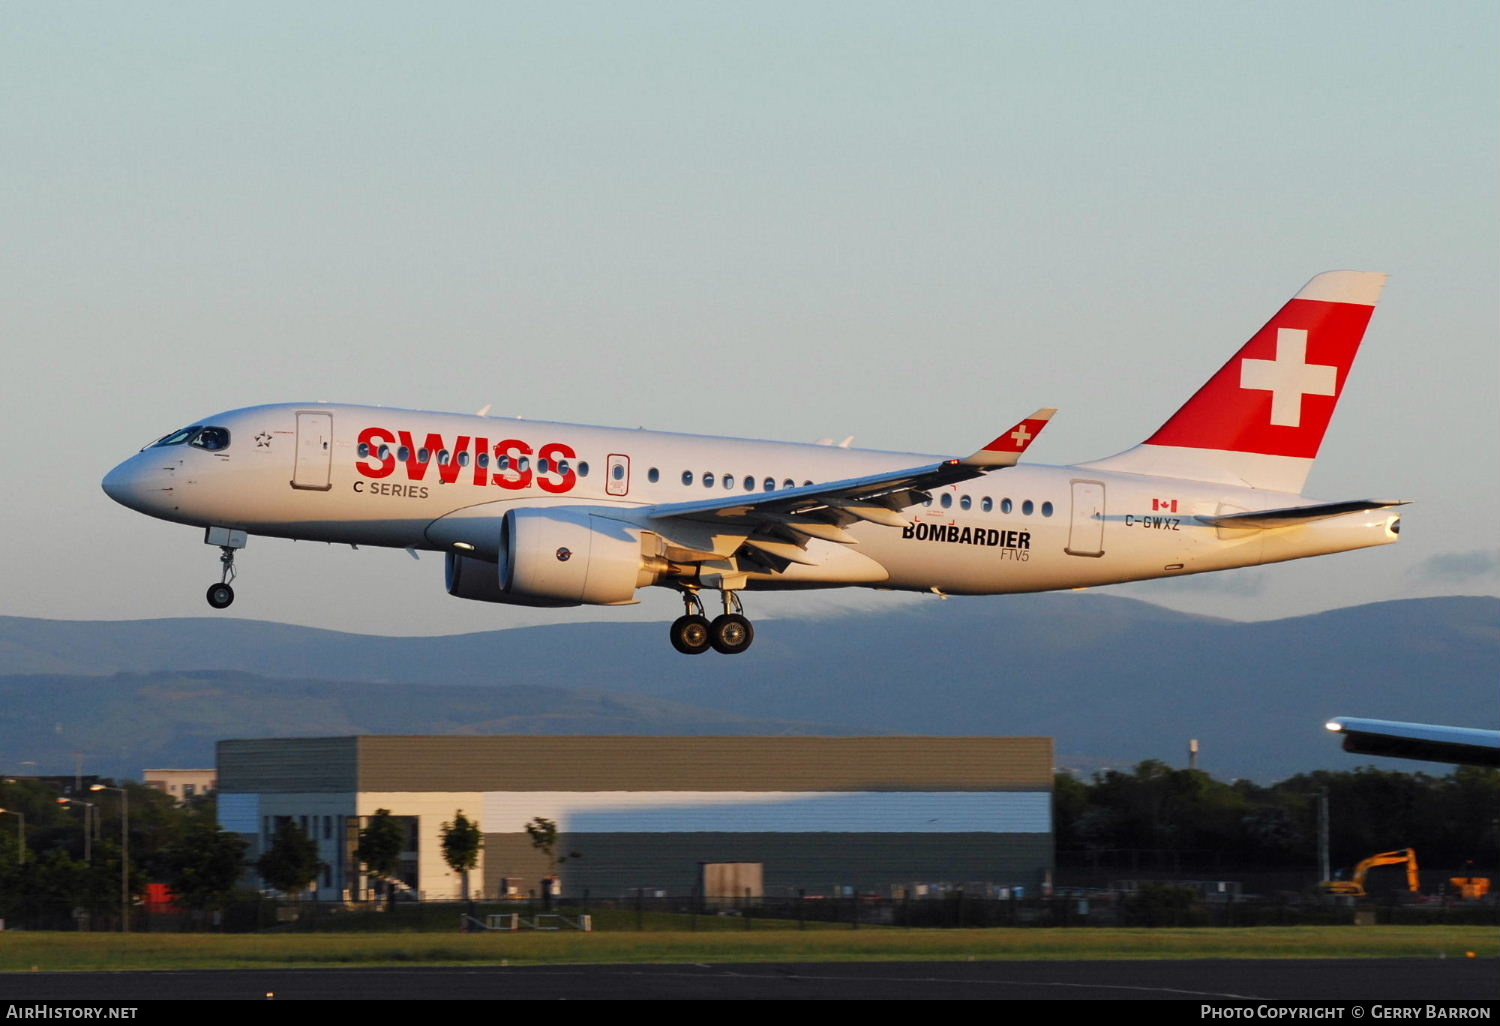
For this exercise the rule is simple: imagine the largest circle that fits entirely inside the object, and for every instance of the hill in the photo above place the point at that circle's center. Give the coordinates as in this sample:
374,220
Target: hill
1114,680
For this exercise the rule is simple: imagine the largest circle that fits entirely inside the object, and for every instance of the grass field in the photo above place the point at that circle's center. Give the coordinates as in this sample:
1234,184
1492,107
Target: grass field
22,952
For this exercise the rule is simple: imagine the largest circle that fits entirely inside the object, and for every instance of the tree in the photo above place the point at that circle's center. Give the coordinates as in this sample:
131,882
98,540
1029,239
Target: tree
544,838
379,849
291,864
462,842
204,863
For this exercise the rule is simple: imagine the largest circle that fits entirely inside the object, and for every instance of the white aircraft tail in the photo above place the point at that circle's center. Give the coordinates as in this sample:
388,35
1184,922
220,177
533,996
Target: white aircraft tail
1260,420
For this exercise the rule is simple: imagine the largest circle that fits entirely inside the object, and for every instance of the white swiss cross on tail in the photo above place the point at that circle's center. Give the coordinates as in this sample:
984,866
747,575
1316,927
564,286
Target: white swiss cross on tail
1289,377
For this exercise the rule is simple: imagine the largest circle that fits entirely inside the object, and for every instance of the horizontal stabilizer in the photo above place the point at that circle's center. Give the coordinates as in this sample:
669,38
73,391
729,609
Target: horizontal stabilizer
1294,515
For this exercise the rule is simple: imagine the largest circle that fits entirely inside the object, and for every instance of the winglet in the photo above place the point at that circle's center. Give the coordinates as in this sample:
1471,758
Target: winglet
1006,450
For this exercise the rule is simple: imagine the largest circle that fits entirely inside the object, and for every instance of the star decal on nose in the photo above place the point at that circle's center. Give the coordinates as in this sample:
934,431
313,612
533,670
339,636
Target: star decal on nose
263,441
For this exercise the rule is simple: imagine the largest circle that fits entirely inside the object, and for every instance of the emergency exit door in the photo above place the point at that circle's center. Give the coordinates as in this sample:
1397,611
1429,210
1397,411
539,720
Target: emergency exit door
618,470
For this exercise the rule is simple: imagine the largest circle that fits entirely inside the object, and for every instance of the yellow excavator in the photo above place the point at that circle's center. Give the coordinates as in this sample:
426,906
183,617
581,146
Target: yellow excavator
1354,887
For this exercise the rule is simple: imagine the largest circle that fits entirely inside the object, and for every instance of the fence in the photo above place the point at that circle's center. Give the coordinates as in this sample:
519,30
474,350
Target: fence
1149,906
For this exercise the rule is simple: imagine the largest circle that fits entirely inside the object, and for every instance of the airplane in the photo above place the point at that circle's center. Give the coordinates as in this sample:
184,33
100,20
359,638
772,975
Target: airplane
1468,746
549,514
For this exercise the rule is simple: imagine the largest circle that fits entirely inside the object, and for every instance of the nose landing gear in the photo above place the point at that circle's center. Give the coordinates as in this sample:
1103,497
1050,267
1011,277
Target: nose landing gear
692,633
221,595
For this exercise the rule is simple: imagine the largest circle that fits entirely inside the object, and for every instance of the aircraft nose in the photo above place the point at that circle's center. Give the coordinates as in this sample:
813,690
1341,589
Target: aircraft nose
128,485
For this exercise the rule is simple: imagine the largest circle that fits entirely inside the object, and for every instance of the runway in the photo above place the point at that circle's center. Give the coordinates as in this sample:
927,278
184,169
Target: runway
1200,980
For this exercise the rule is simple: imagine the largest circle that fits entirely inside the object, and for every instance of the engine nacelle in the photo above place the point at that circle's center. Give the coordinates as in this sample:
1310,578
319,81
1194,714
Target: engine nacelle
570,556
478,579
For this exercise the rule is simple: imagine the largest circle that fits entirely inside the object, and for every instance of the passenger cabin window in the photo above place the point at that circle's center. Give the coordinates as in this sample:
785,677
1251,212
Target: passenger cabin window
1046,509
708,480
653,475
986,503
583,468
769,484
947,499
965,502
1005,506
687,477
1027,507
617,472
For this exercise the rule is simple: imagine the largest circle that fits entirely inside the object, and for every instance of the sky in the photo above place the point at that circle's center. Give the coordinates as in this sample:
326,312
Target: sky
910,223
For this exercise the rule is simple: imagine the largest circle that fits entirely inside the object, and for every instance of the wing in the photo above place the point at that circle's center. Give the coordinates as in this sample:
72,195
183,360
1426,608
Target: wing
1466,745
778,527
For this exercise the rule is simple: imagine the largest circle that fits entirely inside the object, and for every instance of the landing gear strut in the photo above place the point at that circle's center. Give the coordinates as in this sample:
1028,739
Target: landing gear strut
730,632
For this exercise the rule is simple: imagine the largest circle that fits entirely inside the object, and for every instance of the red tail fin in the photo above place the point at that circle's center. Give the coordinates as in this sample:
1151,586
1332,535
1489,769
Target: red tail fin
1273,399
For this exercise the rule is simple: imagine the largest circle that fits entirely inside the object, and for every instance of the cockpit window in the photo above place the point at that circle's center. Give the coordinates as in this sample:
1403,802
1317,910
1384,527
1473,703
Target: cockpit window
212,438
176,437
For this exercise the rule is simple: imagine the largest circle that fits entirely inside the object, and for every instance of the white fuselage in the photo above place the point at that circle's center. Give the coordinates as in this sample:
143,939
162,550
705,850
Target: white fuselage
317,472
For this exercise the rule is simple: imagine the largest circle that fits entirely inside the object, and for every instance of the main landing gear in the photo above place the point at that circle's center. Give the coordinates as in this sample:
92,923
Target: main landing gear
730,632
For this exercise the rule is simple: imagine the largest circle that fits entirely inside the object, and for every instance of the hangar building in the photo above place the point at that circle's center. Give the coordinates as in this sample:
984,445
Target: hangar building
819,813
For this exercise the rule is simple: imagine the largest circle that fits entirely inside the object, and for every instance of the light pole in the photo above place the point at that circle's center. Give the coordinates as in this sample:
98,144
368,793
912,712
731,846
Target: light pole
88,835
124,853
20,835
